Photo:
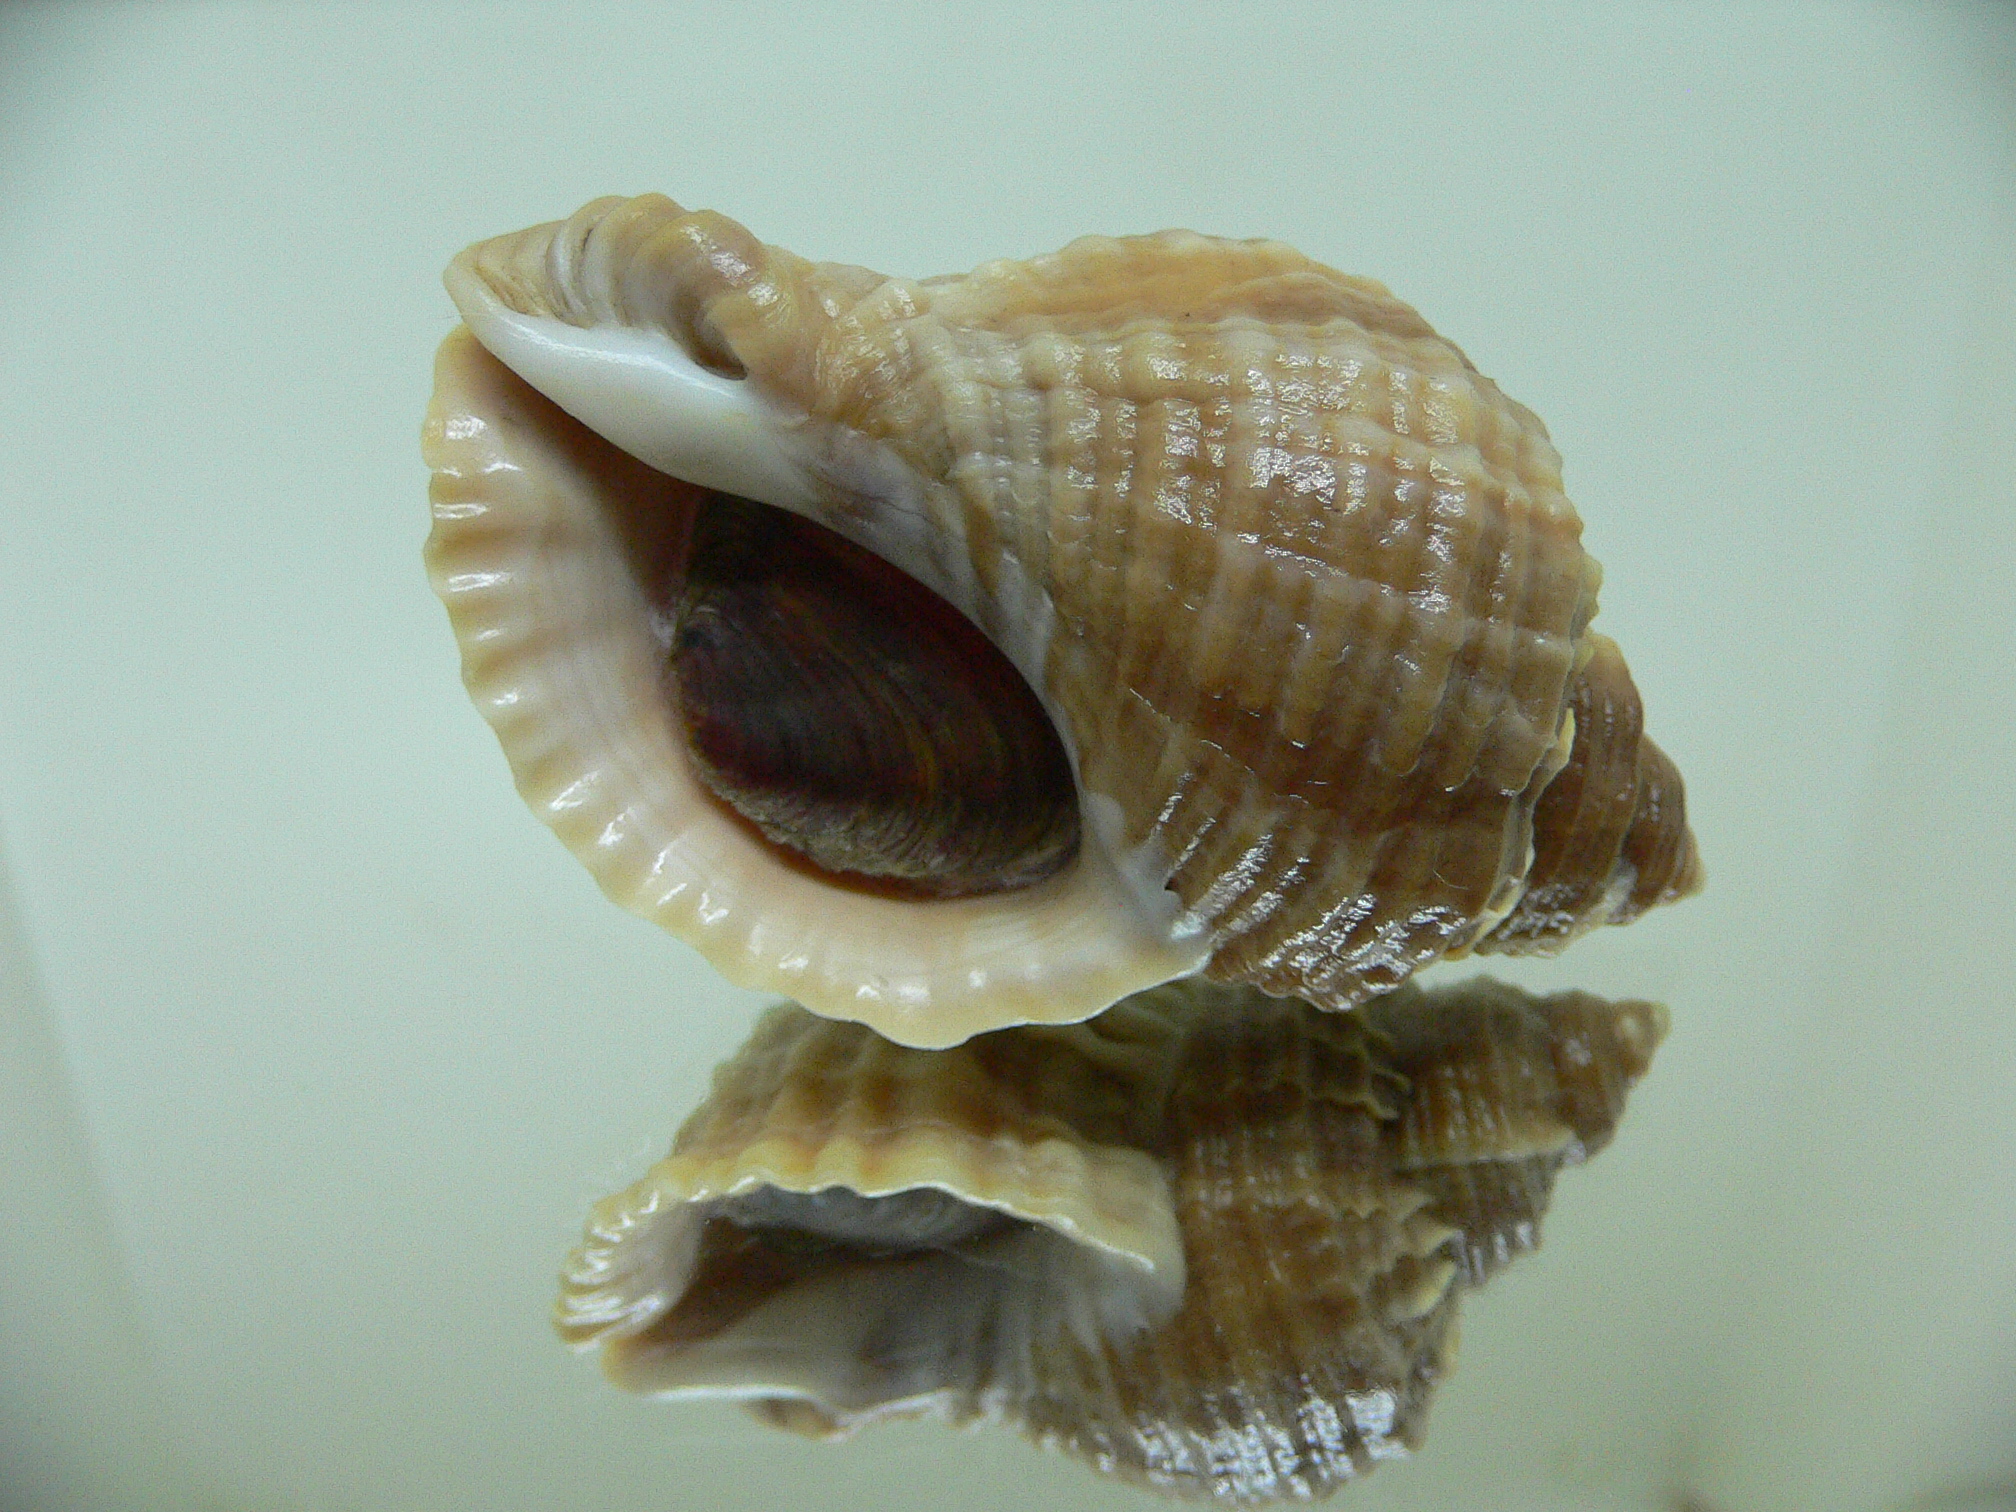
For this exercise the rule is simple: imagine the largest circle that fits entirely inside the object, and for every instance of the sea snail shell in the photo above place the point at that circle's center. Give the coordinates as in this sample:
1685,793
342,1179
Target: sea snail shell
1294,586
1211,1241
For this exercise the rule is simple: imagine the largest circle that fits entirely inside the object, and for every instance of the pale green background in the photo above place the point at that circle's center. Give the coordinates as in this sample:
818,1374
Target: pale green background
316,1045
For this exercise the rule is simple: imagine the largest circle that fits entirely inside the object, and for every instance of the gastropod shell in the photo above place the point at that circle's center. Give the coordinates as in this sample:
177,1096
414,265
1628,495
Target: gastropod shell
953,653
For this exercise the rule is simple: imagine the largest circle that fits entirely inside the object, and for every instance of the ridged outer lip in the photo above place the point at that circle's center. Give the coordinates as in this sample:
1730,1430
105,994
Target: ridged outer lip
559,655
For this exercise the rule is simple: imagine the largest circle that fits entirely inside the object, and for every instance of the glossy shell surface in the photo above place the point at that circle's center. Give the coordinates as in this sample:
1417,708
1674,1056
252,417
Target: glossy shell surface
1210,1241
1297,587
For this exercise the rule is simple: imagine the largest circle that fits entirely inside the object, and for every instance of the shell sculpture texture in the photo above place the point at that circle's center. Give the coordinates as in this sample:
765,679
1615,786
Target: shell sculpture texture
1211,1241
954,653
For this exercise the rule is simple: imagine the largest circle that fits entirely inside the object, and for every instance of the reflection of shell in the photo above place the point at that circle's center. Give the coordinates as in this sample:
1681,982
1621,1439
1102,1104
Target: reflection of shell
1297,587
1210,1240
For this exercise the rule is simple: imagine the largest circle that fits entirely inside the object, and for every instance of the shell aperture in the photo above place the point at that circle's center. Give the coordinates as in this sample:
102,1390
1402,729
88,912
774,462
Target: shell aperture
1205,1219
558,556
1296,587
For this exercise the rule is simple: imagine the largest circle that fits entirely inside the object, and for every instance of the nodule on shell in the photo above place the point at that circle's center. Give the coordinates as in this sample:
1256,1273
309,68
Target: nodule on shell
1294,589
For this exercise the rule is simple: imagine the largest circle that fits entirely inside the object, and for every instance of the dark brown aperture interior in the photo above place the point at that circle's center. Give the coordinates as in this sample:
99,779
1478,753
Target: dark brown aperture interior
858,721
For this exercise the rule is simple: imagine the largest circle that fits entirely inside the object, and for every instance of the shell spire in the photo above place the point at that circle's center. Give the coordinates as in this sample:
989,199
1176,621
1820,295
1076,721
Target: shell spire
1296,586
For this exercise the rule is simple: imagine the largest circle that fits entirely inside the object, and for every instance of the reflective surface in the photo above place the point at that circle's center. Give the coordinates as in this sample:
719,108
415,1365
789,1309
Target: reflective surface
350,1043
1214,1243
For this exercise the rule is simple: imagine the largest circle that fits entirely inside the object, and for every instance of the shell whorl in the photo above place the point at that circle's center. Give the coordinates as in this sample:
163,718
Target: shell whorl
1297,585
1215,1240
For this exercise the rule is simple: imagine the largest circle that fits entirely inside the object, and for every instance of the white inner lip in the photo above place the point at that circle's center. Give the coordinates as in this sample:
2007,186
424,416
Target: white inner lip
641,391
